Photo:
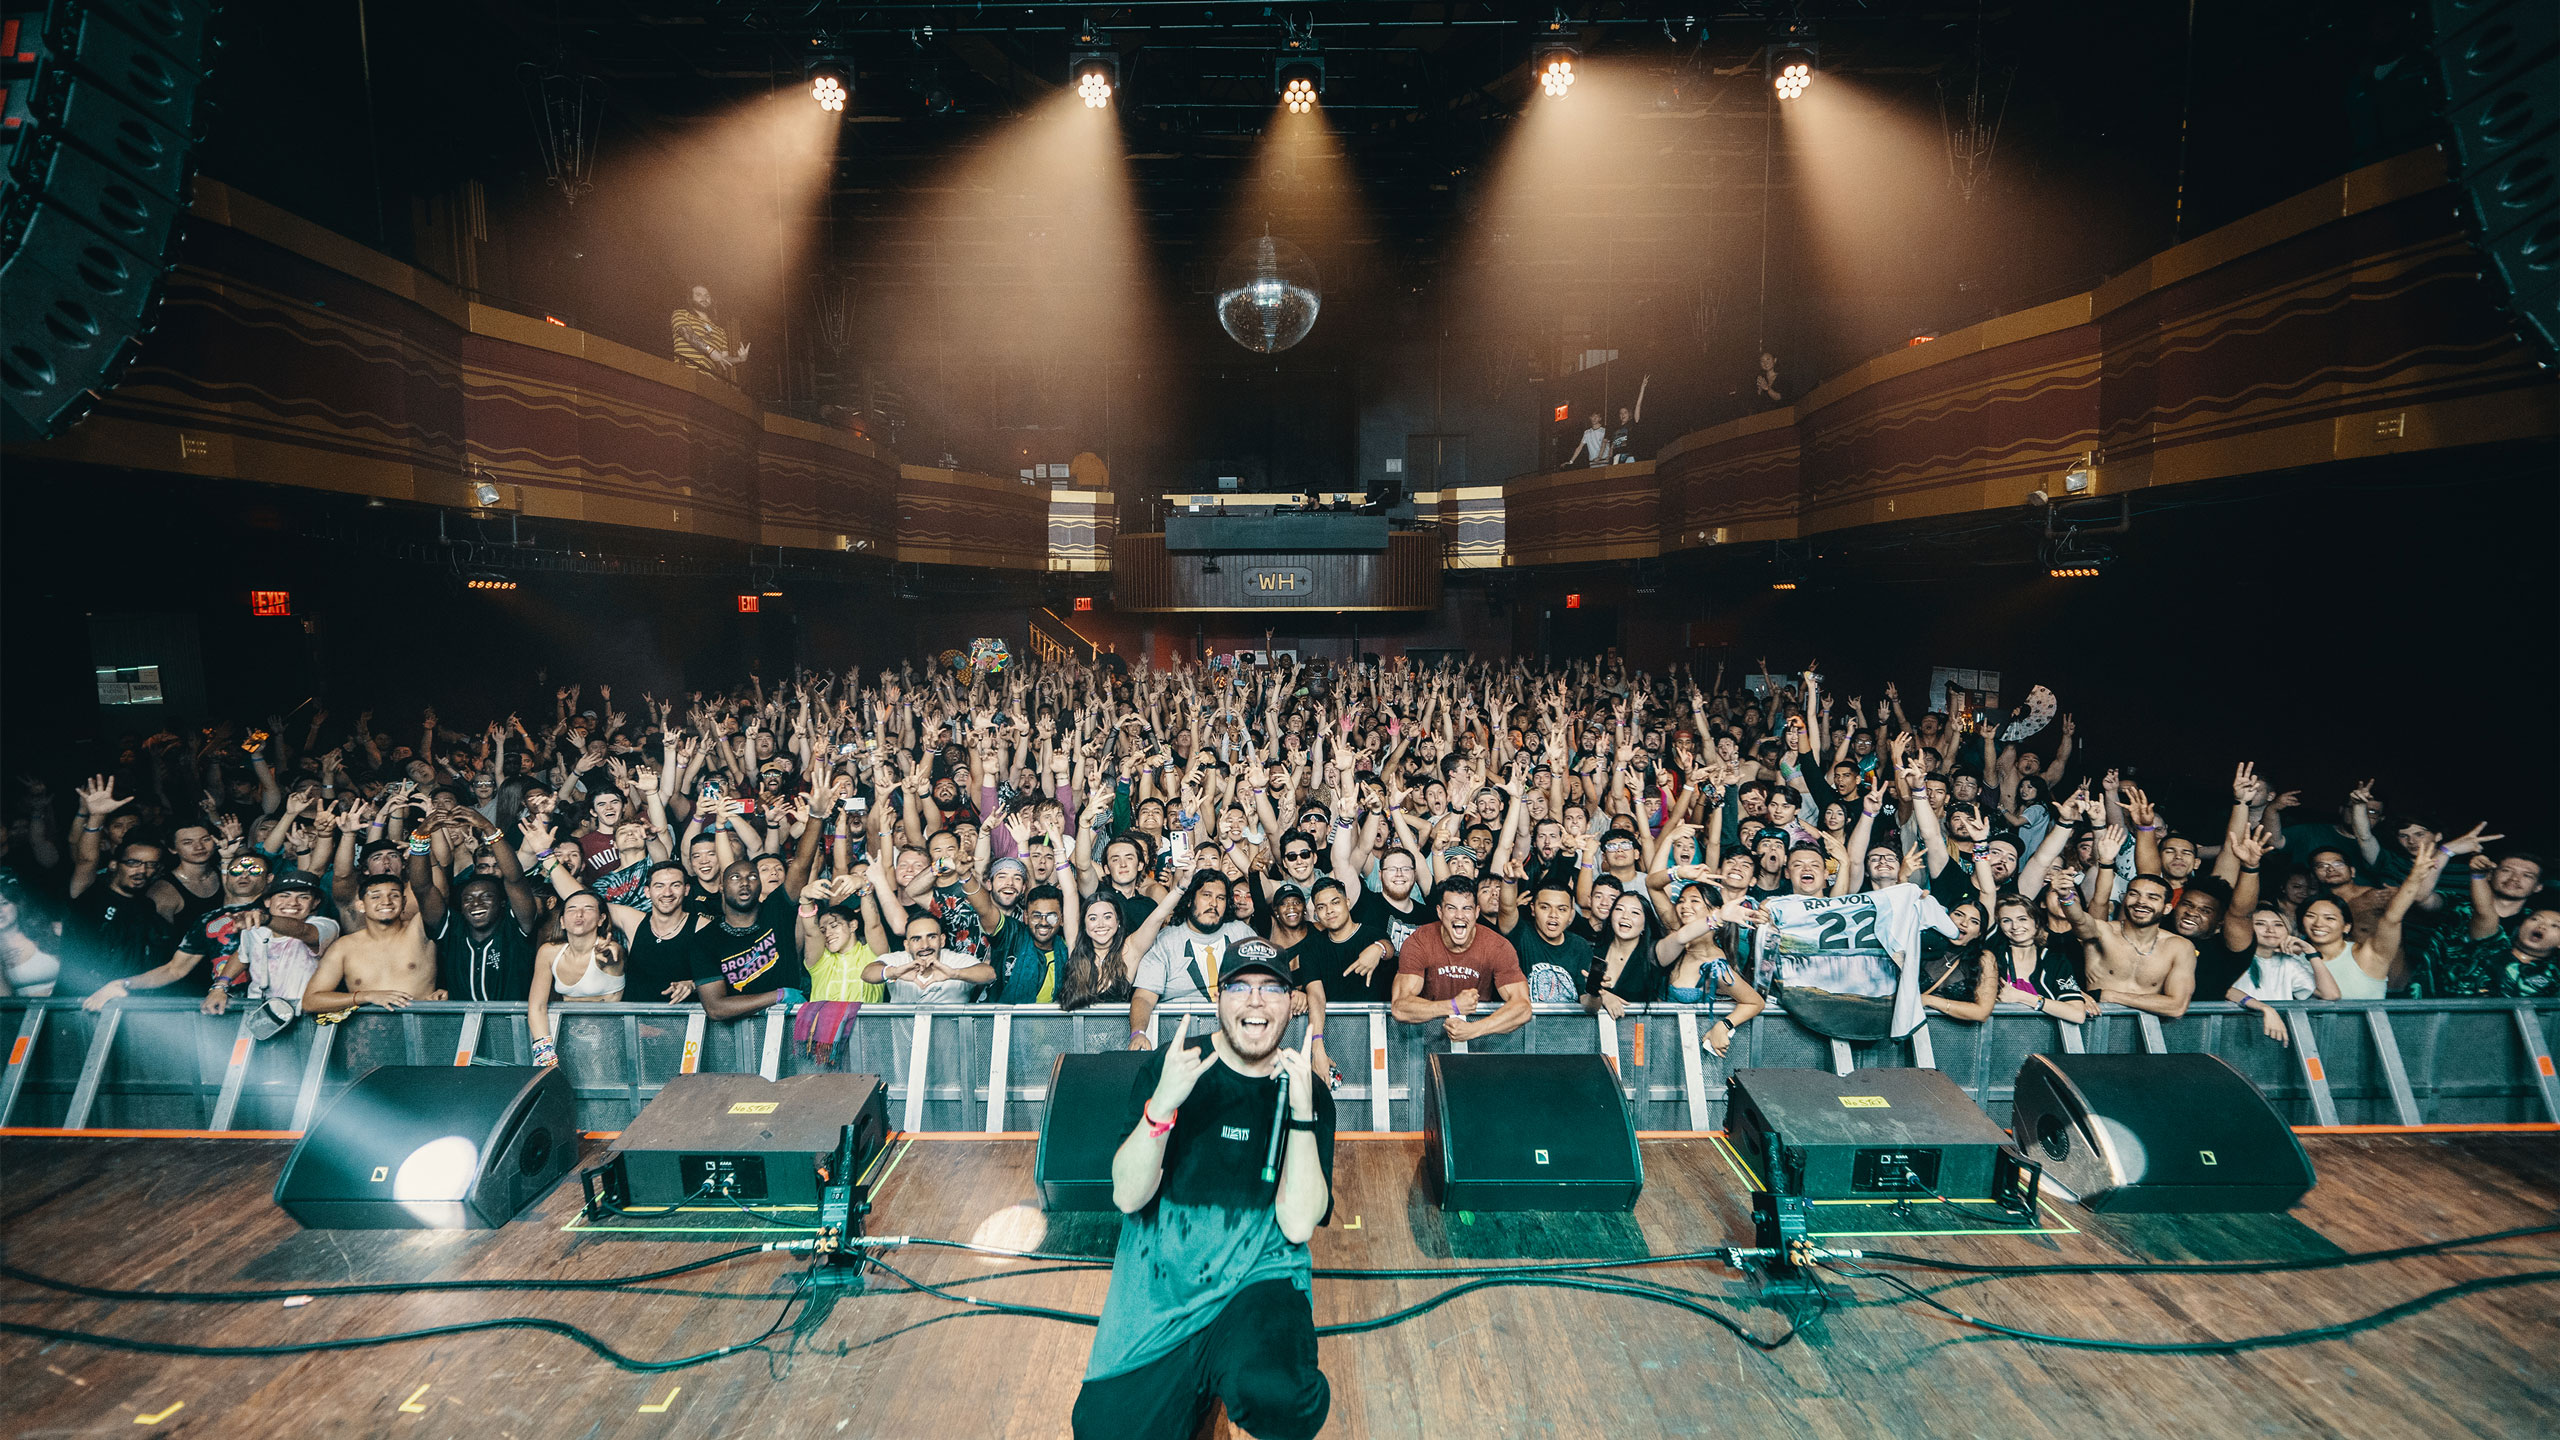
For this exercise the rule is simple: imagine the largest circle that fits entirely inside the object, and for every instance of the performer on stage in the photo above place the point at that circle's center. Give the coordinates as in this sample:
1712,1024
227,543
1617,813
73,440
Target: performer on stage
1225,1175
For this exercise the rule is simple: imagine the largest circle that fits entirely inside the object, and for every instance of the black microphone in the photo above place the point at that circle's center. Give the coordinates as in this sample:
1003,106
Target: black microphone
1279,1129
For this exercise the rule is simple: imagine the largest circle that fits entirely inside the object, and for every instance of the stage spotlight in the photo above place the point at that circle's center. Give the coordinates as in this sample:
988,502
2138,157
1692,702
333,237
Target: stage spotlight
1793,58
1554,57
1297,72
1093,68
830,84
488,580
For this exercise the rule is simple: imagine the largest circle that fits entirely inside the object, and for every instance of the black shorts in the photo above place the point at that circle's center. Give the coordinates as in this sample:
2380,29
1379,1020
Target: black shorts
1258,1355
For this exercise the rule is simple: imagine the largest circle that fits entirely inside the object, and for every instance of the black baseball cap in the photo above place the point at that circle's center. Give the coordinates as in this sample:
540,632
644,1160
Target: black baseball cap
1256,956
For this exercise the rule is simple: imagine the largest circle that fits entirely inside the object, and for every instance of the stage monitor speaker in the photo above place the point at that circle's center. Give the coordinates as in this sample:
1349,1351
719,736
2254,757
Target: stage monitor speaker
1528,1132
1867,1135
1081,1127
433,1147
98,138
743,1137
2182,1133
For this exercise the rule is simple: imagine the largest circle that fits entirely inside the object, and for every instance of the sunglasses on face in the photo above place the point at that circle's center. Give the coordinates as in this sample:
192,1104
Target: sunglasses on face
1242,989
245,867
1297,854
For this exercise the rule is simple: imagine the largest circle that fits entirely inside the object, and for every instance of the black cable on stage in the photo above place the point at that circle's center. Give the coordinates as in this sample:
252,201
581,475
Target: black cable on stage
1661,1294
1538,1267
1419,1272
1000,1307
2338,1331
2005,1220
387,1287
2210,1267
773,1220
1642,1290
364,1342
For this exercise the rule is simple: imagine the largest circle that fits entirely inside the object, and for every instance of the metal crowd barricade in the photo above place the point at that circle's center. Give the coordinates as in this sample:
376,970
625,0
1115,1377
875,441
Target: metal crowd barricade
159,1064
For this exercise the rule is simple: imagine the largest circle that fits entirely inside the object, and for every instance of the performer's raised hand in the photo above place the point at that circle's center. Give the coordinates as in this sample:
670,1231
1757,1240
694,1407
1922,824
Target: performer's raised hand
1299,1072
1183,1067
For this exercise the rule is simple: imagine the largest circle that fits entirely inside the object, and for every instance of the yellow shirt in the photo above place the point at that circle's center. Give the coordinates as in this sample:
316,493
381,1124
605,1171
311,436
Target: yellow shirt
837,975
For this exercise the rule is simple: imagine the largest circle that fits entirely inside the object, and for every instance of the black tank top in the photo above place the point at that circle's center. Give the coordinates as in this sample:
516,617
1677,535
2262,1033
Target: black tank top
191,906
656,964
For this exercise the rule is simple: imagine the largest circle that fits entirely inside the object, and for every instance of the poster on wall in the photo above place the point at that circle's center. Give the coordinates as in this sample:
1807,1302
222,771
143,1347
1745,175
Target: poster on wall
1981,687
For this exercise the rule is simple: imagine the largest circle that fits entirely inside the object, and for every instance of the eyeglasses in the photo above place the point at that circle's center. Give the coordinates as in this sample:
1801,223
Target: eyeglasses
245,867
1297,854
1243,989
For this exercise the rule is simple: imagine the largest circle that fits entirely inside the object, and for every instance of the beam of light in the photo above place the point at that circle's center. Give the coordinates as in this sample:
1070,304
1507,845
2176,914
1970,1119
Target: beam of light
1039,312
728,201
1879,223
1586,215
1299,185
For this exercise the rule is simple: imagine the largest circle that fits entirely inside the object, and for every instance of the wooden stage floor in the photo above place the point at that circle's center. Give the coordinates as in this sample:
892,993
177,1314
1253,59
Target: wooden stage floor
173,1214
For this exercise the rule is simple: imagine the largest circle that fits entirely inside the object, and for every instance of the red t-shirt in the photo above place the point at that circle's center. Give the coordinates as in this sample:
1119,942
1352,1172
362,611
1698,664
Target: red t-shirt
1445,972
597,855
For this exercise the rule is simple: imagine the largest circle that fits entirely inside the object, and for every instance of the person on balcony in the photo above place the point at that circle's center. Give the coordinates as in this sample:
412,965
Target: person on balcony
701,341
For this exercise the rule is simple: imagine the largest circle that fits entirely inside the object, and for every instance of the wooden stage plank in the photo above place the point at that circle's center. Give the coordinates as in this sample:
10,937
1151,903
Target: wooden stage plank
1519,1362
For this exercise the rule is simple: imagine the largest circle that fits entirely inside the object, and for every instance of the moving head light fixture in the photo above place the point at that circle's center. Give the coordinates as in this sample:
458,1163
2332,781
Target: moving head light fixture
1793,57
1297,70
1093,67
830,79
1554,56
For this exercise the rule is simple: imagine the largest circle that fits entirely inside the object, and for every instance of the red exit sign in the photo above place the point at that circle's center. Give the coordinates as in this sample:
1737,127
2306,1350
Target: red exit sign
271,602
750,604
1084,602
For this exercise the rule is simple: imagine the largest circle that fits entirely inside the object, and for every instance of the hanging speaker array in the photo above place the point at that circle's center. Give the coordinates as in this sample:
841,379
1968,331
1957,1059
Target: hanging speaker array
2501,65
98,129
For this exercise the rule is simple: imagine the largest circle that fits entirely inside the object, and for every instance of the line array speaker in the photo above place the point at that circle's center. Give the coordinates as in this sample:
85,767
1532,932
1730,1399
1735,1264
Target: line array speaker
97,134
2500,60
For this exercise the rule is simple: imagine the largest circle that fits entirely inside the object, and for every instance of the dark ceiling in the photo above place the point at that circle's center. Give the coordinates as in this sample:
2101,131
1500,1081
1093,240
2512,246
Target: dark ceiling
2118,128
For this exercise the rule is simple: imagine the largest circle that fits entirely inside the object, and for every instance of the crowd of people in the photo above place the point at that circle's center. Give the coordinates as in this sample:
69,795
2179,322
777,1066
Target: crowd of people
1459,844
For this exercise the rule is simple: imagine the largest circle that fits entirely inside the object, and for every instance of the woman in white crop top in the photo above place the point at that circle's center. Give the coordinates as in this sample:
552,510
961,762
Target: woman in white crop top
587,965
2366,972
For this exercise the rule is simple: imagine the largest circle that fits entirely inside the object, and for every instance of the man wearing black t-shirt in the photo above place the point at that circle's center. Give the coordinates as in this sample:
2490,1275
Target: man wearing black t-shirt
214,939
2213,914
1394,907
1210,1285
1555,958
484,935
1341,960
116,930
747,958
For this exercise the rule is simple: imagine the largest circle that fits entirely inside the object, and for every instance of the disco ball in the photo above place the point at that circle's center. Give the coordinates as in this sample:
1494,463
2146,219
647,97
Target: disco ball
1267,295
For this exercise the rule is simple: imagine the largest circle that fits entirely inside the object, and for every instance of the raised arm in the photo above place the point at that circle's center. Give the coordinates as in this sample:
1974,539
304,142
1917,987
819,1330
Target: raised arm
2385,942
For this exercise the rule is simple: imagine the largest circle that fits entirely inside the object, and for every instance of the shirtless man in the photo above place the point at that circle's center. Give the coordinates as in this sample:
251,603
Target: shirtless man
2133,961
388,963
